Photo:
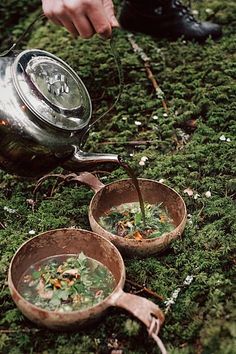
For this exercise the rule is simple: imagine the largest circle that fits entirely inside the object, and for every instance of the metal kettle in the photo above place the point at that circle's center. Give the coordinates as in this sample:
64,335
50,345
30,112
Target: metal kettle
45,111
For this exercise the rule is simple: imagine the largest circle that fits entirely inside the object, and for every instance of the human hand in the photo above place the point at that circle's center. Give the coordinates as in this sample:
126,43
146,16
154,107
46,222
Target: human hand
82,18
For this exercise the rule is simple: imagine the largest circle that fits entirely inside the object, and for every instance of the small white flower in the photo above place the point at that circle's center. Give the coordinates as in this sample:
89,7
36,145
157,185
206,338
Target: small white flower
184,42
31,232
131,155
189,218
195,12
169,302
124,118
222,138
155,117
165,115
144,158
209,11
175,293
137,122
188,280
141,163
161,180
196,196
208,194
189,191
30,202
9,210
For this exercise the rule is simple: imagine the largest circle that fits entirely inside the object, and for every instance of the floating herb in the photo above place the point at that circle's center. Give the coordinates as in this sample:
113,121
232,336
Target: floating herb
126,221
63,283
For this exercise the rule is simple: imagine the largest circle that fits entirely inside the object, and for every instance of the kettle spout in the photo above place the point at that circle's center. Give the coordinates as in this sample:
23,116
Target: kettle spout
85,161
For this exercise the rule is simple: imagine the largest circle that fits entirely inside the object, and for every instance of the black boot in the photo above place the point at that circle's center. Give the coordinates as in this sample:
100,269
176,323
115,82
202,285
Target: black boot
165,19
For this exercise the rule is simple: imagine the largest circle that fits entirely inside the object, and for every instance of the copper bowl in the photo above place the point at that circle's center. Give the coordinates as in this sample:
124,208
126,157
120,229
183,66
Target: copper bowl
123,191
73,241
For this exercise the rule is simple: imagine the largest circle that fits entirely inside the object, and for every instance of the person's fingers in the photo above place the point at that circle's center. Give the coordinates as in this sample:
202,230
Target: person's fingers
82,17
48,12
58,16
110,13
68,24
89,17
83,26
55,20
100,22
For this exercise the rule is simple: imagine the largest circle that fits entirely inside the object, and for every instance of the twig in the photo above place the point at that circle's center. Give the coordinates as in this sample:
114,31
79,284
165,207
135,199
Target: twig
159,92
132,142
26,330
145,290
2,226
147,65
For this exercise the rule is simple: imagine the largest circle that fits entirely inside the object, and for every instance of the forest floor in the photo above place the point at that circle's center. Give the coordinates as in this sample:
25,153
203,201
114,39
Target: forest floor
190,147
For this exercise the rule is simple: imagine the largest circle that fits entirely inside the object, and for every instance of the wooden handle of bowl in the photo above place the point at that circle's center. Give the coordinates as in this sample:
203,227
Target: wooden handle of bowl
89,180
146,311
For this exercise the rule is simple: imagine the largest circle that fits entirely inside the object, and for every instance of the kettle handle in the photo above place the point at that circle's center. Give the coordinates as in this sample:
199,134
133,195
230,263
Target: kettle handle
22,36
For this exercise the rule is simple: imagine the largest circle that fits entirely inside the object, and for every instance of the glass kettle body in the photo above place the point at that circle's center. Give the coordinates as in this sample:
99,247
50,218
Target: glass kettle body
45,110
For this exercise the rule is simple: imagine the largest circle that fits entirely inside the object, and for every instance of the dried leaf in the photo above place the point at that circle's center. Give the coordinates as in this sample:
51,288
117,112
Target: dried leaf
138,236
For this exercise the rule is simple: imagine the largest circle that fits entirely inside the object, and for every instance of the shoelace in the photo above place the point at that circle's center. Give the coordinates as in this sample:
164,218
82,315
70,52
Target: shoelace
184,10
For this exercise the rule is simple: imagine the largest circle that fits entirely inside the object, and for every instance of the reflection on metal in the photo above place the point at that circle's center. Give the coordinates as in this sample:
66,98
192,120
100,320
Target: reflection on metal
57,84
45,109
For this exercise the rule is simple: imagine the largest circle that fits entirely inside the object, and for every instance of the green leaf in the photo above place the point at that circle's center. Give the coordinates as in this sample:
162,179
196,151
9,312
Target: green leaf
36,275
138,218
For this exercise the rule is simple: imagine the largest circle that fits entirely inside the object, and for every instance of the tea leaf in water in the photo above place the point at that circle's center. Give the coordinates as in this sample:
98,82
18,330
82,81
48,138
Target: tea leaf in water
126,221
36,275
65,283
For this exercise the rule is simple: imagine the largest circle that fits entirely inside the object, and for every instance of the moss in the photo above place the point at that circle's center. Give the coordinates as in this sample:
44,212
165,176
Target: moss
199,85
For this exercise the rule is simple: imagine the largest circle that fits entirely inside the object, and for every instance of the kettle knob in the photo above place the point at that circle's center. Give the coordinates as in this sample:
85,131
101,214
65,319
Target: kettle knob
51,90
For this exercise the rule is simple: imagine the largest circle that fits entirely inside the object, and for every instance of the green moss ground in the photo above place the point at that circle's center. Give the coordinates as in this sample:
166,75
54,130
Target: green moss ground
199,85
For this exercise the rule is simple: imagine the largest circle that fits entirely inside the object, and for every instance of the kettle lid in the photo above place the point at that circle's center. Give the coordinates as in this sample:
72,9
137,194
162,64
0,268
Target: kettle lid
51,90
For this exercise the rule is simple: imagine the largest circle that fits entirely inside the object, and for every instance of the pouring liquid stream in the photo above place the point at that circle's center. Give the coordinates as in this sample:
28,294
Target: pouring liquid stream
131,174
123,164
